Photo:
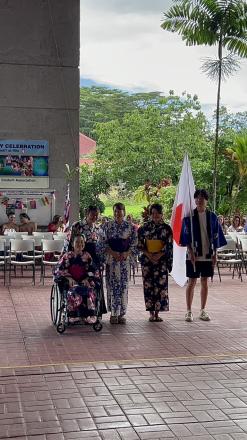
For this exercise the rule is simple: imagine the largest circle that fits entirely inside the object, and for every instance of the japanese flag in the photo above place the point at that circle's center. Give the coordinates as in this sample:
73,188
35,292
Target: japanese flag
183,206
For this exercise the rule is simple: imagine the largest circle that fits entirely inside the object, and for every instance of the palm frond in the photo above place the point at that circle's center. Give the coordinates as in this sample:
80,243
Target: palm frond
192,24
236,44
238,154
228,65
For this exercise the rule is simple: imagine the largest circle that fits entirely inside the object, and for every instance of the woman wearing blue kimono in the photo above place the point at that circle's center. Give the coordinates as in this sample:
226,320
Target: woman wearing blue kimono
202,236
118,243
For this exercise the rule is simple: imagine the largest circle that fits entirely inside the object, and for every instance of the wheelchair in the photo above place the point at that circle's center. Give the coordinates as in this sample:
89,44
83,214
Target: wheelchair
60,314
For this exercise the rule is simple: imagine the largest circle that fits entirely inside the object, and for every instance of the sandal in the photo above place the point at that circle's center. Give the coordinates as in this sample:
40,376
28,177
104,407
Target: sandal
121,320
113,320
152,318
158,319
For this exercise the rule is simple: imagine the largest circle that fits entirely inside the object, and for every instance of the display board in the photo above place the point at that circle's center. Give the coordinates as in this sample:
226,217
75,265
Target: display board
40,206
24,164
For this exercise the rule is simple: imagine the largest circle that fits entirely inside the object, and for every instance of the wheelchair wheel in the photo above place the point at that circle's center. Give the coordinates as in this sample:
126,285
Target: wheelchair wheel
61,327
55,304
97,326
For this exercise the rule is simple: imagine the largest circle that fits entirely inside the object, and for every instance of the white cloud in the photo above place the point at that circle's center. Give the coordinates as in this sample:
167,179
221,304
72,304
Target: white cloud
125,47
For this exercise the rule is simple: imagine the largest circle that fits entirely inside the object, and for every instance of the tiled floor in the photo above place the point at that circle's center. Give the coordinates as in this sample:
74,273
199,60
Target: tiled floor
170,380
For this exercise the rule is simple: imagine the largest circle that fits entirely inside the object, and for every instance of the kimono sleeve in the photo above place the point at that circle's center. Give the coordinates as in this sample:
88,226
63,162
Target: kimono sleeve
102,243
94,276
169,248
185,237
218,235
61,269
141,239
133,241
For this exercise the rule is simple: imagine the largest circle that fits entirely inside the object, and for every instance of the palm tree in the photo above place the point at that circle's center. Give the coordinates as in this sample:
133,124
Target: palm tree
221,23
238,154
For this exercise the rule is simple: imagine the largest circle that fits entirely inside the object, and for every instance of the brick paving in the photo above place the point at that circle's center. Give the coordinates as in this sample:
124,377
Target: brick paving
170,380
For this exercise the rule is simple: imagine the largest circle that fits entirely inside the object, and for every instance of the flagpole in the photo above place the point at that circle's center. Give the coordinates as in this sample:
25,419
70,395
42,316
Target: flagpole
191,225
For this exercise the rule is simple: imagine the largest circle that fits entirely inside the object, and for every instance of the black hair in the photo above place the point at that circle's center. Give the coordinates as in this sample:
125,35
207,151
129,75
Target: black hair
56,219
157,206
201,193
24,215
92,208
10,213
119,206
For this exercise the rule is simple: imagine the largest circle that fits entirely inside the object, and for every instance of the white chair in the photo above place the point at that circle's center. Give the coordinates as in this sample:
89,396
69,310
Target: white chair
229,256
54,248
3,258
243,251
234,236
59,235
17,234
22,255
45,235
37,244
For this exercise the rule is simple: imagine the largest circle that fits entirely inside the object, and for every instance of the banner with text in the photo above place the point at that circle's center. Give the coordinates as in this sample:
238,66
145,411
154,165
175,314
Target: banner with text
24,164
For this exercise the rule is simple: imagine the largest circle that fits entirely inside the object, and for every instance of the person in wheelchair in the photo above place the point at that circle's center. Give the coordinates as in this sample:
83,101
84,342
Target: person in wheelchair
78,278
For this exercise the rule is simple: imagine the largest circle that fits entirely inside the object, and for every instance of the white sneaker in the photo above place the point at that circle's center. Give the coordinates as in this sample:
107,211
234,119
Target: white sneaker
204,316
189,316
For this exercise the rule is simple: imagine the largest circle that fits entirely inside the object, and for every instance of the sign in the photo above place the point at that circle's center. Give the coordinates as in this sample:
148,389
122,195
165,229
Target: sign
24,164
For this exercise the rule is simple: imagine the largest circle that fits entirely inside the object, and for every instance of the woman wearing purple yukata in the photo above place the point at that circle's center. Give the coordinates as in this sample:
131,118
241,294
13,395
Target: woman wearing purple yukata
119,244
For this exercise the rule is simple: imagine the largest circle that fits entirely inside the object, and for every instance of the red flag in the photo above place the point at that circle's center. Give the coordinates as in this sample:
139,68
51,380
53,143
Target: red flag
183,206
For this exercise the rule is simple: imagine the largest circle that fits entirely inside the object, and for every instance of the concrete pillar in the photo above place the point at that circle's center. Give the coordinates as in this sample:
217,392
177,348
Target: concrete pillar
39,82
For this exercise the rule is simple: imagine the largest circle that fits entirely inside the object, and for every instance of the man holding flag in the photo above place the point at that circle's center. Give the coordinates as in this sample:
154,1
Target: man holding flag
202,234
196,237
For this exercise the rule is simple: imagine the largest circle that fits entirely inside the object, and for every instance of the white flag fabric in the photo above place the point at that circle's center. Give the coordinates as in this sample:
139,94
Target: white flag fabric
183,206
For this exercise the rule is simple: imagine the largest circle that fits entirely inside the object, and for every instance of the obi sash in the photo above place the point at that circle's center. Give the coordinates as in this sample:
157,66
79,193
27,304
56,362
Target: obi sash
154,246
77,271
119,244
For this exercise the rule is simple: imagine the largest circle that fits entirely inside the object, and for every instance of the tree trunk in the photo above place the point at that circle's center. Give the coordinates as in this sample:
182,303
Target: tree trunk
234,199
216,143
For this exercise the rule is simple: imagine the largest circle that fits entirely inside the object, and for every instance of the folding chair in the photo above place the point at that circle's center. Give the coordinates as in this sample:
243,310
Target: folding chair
243,250
17,234
45,235
24,249
3,258
54,248
37,245
229,256
59,235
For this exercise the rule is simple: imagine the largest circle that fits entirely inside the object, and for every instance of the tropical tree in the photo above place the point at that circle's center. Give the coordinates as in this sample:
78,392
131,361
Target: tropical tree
221,23
149,143
238,154
101,104
93,183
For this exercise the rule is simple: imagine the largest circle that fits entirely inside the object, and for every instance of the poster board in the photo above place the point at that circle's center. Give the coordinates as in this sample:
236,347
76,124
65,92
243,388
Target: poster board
40,206
24,164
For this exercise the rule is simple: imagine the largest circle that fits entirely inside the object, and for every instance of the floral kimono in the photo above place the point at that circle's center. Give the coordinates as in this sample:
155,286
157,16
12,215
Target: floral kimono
91,233
81,298
155,275
120,238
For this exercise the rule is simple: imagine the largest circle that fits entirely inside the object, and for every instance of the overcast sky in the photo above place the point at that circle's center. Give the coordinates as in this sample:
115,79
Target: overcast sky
123,46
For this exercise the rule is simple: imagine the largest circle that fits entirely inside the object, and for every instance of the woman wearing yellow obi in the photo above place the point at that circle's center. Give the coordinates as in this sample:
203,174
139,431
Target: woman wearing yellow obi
155,244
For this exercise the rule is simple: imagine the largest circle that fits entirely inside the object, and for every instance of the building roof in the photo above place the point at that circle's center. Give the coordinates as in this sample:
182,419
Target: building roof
87,148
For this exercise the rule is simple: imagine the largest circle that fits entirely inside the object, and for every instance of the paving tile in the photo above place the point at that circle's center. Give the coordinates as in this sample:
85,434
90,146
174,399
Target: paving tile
191,393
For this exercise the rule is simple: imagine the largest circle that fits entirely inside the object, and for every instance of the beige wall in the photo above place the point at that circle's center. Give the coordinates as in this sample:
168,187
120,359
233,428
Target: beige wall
39,82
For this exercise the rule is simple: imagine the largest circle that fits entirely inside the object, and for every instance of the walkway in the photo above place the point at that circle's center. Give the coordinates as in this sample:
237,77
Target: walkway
170,380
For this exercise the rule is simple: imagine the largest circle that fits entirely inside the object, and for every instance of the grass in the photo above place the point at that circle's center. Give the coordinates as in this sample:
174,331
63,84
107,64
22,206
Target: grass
134,209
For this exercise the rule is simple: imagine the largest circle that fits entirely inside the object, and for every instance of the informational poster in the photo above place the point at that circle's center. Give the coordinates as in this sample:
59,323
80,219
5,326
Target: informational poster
24,164
39,205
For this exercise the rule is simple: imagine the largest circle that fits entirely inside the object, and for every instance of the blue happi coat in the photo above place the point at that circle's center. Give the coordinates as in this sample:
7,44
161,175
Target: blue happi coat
214,231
